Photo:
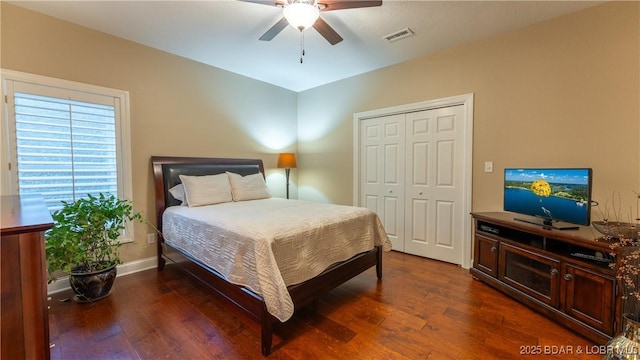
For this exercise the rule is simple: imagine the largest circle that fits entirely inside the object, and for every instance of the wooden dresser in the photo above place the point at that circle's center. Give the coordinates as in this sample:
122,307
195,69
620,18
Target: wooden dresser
24,323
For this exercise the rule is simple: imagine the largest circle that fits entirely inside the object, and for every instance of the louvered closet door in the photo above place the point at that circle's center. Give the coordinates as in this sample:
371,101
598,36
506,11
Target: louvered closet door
382,173
433,184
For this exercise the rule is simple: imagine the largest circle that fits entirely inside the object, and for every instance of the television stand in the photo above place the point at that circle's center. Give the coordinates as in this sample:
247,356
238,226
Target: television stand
565,275
550,224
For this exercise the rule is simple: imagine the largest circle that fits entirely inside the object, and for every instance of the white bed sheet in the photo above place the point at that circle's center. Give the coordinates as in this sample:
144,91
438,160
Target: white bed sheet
269,244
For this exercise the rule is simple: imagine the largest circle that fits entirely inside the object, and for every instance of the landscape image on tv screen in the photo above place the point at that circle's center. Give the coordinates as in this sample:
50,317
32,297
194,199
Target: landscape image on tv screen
557,194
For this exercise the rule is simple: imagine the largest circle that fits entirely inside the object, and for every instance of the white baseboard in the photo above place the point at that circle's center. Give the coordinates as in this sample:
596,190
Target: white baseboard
131,267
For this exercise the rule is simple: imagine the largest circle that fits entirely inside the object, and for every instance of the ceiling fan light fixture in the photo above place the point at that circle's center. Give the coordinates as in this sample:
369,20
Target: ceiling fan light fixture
301,14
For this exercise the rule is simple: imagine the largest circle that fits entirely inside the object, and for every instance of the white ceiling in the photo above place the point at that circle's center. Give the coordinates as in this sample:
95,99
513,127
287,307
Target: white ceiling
224,33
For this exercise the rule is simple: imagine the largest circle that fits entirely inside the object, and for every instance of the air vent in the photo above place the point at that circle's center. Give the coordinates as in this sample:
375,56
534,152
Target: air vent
399,35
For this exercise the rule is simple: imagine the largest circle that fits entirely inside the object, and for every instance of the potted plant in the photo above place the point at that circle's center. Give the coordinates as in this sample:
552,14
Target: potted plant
84,243
624,238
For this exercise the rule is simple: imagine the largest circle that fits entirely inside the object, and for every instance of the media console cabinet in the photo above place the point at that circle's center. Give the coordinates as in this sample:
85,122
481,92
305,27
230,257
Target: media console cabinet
564,274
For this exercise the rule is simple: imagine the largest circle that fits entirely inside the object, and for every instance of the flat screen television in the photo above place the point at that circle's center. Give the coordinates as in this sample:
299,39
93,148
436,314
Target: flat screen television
555,198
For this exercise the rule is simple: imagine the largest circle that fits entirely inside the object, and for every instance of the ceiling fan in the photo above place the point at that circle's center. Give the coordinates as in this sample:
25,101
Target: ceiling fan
302,14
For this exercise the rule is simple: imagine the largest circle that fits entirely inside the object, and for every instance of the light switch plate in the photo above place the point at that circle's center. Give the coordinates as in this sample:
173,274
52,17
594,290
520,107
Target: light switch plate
488,166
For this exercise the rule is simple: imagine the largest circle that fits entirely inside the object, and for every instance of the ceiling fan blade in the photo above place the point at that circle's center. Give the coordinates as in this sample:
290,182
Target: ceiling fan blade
266,2
275,30
327,31
330,5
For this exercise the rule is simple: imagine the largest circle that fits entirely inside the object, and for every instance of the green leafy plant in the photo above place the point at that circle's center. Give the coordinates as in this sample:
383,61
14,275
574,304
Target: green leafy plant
624,240
85,234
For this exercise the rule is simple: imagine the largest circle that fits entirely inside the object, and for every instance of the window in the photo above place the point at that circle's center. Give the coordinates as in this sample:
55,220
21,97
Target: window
64,140
65,148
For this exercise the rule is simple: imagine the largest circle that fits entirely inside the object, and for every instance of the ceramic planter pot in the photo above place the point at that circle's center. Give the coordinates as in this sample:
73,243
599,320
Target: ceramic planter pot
92,286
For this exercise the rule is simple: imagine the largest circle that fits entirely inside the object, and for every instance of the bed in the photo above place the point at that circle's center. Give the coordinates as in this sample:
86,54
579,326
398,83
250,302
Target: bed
265,255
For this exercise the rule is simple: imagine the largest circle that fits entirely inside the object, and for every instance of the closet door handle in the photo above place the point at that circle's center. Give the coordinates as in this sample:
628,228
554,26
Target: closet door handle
420,193
568,277
554,272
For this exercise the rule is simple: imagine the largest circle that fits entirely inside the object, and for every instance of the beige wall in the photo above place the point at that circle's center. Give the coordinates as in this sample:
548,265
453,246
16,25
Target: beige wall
563,93
178,107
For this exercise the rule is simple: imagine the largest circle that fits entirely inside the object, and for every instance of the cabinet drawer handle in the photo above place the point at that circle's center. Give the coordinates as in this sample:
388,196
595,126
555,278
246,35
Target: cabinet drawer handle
493,249
554,272
568,277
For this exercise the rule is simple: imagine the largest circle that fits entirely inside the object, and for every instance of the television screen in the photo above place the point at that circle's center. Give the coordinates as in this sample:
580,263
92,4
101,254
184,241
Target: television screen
554,196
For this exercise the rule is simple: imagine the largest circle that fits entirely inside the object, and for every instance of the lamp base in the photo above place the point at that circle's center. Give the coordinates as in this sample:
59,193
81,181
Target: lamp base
287,171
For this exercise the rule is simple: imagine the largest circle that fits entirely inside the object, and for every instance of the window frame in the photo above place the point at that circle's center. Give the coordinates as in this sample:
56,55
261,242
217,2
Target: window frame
8,156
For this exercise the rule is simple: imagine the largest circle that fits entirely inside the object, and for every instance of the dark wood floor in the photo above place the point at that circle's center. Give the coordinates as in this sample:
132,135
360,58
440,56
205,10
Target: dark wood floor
422,309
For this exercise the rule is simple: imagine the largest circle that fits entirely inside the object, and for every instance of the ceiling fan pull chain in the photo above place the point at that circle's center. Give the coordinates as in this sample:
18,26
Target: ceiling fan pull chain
301,46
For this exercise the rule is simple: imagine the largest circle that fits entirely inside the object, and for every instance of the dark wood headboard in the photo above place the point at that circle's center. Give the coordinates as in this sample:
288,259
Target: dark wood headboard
167,171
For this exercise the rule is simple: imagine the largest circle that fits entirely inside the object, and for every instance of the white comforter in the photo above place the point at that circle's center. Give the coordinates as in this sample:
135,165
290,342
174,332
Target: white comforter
267,245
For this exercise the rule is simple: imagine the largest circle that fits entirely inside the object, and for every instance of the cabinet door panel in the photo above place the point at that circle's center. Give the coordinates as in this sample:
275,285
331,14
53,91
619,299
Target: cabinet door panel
486,255
530,273
589,297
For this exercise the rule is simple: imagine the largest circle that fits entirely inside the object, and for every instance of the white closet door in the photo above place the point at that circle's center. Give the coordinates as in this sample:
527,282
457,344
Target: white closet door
434,183
382,172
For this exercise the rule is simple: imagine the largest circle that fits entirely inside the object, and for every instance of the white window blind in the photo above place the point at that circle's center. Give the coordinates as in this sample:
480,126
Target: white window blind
65,149
65,139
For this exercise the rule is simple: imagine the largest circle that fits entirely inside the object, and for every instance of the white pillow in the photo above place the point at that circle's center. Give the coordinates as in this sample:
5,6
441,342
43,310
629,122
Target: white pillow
178,193
206,190
250,187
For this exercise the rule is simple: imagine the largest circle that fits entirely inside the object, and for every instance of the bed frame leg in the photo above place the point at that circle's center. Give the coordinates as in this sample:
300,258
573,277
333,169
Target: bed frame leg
379,263
161,260
267,332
